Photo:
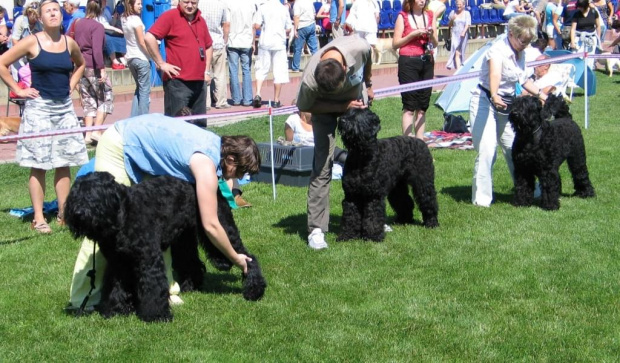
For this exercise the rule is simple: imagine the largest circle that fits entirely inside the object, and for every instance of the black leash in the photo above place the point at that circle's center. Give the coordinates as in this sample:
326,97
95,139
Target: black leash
90,274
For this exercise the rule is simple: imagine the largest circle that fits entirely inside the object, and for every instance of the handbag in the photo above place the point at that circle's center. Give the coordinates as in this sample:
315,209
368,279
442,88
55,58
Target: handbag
448,44
71,31
454,124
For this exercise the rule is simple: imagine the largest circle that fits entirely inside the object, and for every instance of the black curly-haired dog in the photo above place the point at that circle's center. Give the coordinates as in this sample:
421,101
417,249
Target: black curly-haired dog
380,168
133,225
545,136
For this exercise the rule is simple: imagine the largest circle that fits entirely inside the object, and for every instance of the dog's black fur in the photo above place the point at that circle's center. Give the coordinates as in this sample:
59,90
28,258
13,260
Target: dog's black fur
133,225
376,169
545,136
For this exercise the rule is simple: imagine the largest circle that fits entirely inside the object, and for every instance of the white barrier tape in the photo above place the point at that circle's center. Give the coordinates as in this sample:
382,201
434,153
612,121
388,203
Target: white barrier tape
380,93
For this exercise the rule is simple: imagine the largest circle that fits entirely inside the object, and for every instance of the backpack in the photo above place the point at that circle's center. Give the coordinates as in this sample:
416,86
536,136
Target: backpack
454,124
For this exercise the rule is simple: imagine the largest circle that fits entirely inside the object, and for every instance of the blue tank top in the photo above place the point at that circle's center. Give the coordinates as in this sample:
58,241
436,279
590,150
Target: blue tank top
156,144
51,72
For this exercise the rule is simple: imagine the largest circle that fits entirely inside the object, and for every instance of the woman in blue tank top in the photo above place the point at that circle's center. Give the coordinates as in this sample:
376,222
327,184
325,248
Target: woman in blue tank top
57,65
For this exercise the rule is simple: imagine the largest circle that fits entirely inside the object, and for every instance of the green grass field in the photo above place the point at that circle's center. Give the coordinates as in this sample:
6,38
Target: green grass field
496,284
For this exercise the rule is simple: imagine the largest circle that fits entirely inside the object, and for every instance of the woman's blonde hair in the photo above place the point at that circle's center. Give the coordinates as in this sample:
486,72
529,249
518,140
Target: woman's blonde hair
244,151
523,25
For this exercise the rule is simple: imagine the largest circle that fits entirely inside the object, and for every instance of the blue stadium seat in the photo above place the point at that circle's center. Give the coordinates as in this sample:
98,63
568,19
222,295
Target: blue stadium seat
385,22
386,5
397,6
445,19
495,18
17,11
475,16
472,3
485,16
317,6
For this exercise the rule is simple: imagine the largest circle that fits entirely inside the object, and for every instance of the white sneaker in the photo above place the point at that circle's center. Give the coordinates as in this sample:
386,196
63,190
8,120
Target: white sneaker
387,228
175,300
316,240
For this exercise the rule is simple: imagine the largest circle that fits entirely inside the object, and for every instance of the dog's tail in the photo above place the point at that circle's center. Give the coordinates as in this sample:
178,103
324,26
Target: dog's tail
94,206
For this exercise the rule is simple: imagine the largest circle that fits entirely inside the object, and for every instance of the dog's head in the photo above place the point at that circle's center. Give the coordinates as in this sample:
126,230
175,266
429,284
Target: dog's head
526,115
358,128
94,206
555,107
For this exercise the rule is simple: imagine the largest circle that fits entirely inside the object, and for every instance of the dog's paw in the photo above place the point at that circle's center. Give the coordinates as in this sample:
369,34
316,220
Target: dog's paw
587,193
431,223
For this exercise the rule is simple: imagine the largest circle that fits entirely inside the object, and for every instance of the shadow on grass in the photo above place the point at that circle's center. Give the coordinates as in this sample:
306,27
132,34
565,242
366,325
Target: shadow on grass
462,194
298,224
220,283
12,241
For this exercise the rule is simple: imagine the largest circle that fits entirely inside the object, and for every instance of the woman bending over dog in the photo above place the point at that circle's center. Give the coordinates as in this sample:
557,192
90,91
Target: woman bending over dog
155,145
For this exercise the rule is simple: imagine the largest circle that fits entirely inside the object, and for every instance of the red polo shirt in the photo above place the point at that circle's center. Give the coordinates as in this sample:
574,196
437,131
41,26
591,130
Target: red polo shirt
183,40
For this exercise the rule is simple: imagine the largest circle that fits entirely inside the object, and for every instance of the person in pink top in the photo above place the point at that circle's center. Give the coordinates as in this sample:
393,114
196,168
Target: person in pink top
415,37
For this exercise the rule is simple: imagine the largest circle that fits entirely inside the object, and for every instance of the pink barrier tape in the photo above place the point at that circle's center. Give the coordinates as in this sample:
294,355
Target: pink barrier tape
286,110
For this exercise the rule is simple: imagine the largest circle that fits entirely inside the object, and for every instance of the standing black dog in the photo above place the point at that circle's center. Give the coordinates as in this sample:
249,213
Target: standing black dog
133,225
376,169
545,136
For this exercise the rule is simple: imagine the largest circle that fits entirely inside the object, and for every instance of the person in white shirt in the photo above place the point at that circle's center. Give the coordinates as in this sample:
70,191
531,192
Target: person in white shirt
513,8
274,21
240,49
137,57
501,75
216,15
363,19
304,23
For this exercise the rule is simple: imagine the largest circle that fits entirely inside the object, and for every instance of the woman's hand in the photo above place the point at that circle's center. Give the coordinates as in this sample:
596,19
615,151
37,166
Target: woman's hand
103,76
498,103
27,93
241,261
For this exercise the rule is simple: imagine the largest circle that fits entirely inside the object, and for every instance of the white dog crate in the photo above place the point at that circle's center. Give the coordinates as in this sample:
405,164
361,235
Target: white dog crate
292,164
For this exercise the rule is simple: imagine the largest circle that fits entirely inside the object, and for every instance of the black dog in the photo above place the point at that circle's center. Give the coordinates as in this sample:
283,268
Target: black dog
376,169
133,225
541,146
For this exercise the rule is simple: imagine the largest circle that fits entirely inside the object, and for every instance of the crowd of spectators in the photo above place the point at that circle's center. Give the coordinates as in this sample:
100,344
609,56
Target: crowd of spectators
235,28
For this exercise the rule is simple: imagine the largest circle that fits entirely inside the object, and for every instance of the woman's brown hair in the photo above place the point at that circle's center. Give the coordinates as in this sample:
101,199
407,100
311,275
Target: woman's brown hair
129,11
93,9
245,152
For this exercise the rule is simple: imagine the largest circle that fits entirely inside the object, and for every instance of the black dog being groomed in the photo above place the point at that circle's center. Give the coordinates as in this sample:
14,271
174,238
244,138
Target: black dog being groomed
133,225
546,136
380,168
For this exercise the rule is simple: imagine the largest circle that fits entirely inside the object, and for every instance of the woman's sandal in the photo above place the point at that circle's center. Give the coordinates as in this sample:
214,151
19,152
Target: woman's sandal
41,227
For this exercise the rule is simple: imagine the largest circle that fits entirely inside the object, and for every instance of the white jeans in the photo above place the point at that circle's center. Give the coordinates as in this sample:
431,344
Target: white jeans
488,129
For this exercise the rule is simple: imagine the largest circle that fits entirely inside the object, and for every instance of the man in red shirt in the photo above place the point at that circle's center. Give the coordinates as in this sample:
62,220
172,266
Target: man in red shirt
188,57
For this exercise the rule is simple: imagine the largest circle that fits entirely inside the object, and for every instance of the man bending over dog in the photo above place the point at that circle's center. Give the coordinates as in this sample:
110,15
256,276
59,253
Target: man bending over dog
155,145
333,82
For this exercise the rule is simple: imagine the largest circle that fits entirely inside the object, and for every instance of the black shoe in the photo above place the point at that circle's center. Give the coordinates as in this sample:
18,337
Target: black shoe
256,103
277,104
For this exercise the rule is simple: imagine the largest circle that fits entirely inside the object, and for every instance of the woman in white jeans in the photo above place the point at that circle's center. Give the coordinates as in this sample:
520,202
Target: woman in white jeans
502,73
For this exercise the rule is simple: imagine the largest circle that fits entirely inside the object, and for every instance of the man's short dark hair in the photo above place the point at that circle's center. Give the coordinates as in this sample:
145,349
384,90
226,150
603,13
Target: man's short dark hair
329,74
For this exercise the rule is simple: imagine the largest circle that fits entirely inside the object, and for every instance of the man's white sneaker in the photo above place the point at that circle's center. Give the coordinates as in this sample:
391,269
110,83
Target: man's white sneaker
316,239
387,228
175,300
